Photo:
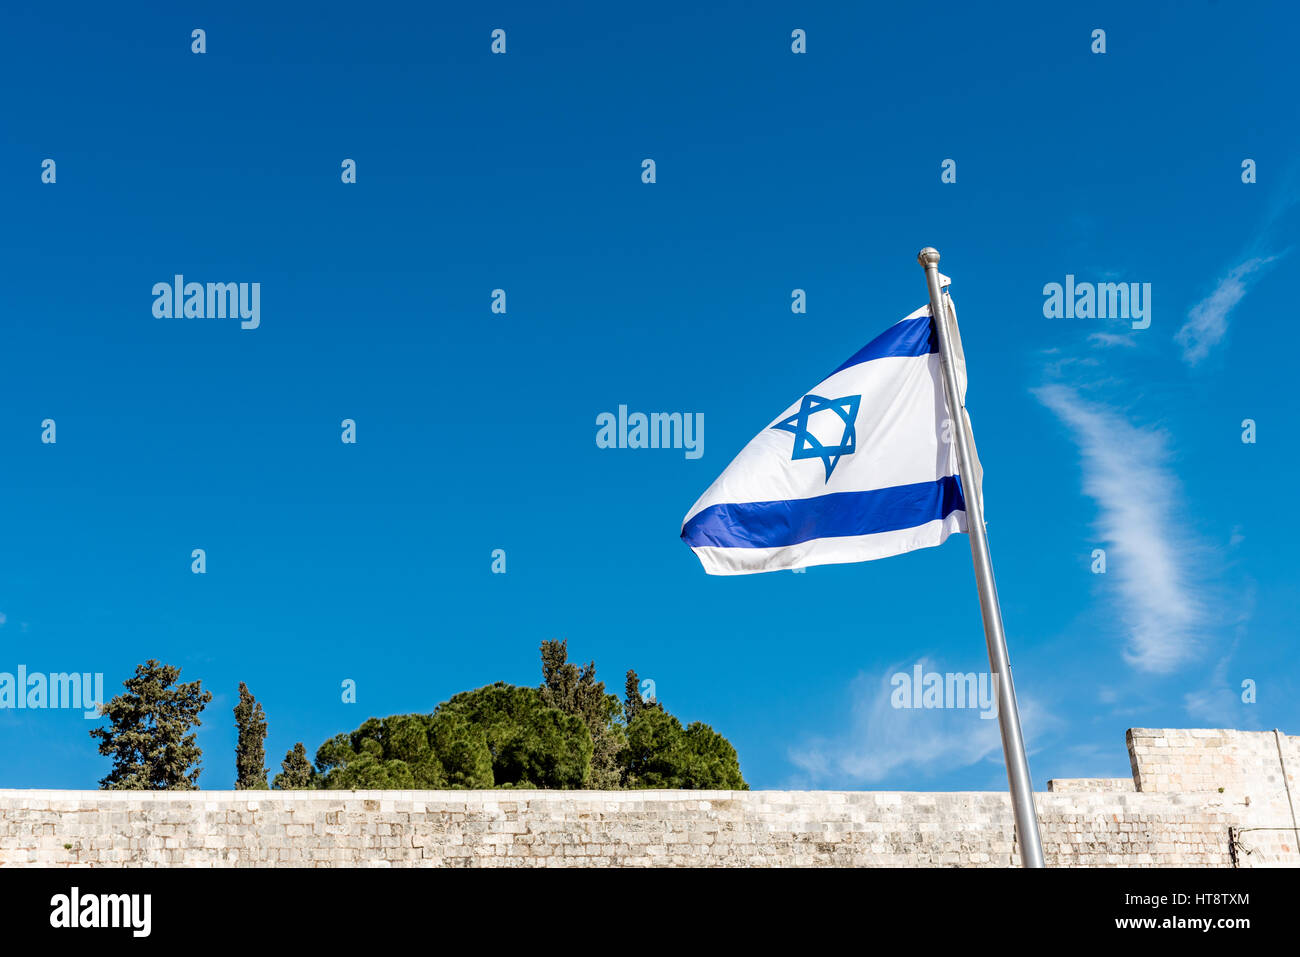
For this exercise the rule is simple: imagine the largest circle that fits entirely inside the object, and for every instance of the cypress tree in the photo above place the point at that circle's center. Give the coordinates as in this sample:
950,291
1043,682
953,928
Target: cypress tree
298,774
250,747
633,703
576,691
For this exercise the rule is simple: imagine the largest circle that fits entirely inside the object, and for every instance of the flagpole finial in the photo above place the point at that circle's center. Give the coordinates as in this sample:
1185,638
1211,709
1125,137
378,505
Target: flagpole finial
927,257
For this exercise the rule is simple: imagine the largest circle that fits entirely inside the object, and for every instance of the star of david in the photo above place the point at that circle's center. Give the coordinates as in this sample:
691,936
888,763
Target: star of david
807,445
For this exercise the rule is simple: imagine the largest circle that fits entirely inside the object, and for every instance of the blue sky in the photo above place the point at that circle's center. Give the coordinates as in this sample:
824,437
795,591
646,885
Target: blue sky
476,431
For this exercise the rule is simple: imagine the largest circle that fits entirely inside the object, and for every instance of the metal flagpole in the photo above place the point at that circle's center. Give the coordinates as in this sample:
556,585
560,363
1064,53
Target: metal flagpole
1013,742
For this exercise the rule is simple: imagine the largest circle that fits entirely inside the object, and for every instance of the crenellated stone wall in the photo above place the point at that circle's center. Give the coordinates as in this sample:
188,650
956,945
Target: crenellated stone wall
1248,823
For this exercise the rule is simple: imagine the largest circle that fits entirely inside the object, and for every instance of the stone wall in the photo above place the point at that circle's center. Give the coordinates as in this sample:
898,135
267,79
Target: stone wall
1261,770
1248,825
1074,785
1199,759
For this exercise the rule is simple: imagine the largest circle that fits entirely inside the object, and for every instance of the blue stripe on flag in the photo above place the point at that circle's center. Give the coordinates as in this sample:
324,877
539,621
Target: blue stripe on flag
778,524
911,337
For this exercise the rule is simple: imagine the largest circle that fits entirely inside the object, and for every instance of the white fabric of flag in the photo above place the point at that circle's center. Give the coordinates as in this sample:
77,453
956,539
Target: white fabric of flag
862,466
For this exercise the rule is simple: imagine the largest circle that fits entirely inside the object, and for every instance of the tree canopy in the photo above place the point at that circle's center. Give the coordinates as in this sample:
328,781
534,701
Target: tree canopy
148,735
567,733
576,691
297,773
496,736
660,754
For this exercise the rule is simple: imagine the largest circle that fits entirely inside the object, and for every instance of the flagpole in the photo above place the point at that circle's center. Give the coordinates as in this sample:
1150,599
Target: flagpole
1013,742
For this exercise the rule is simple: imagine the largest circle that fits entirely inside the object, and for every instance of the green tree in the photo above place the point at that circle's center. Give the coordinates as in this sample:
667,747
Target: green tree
660,754
250,745
564,734
650,758
633,703
532,745
710,761
149,736
462,751
407,751
297,774
576,691
357,760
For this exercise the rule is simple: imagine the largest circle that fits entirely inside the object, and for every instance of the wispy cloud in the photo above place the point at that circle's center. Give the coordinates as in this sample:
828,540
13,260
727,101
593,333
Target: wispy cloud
1126,470
1111,339
882,740
1207,321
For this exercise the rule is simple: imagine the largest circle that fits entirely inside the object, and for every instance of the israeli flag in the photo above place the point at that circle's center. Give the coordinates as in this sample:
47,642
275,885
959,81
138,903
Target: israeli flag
863,466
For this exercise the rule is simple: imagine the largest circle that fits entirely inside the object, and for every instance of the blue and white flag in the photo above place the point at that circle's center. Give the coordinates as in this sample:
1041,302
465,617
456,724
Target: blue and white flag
861,467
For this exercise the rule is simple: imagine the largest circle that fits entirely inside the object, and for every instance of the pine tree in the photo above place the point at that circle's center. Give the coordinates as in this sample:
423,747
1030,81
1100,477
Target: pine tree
634,704
576,691
298,774
149,736
250,748
662,754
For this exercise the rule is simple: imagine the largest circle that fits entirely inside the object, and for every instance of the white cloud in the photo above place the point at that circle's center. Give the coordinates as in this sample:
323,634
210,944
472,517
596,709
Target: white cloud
1207,321
882,740
1111,339
1151,555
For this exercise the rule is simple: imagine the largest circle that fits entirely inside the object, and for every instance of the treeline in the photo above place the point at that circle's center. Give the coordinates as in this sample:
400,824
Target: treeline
566,733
